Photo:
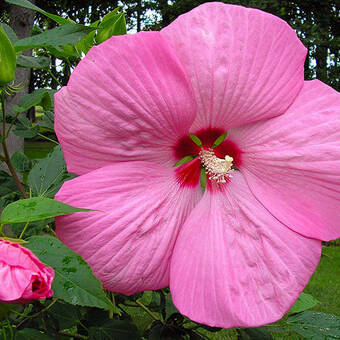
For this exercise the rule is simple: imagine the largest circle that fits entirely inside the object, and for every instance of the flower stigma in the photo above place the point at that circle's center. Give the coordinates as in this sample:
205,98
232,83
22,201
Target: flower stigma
218,169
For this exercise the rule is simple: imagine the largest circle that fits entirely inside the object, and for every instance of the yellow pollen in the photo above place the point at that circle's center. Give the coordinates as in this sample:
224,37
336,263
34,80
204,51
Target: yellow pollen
218,169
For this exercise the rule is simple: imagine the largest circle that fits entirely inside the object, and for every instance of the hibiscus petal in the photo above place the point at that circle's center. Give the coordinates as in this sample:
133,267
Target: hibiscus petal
129,99
14,281
128,243
292,162
235,265
244,64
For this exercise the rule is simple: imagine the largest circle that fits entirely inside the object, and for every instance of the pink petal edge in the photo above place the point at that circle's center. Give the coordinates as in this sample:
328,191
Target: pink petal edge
292,162
244,64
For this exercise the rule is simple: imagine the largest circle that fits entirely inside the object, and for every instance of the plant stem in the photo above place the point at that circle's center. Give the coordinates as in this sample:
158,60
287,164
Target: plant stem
55,78
49,139
23,230
153,315
7,158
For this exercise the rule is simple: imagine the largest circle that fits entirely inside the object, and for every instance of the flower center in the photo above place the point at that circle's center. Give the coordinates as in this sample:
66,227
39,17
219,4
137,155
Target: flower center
218,169
206,156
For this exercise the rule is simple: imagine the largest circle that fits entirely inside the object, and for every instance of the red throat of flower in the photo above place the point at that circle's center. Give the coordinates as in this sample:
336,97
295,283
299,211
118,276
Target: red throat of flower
218,162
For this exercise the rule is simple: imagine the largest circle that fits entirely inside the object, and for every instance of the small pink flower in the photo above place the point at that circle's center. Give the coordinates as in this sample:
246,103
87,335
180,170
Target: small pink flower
23,277
242,252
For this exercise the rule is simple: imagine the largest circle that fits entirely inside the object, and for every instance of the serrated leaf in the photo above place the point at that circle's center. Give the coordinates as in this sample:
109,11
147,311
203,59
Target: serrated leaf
62,35
115,330
220,140
20,162
315,325
42,97
196,140
47,176
33,62
74,281
304,302
24,128
29,5
35,209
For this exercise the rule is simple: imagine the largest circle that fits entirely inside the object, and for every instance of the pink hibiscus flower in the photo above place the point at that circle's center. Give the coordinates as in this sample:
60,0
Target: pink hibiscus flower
241,253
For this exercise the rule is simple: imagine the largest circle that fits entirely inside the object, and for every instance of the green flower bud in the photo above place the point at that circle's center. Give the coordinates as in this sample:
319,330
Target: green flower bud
7,59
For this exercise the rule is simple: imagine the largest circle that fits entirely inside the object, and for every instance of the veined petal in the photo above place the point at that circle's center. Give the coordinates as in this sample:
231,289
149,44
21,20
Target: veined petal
128,99
129,242
292,162
244,64
234,264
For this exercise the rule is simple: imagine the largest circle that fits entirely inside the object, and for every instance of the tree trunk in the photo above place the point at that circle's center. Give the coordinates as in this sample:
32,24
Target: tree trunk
21,21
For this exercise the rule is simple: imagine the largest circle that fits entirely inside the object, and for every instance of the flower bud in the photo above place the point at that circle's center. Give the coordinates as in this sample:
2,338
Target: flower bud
7,59
23,277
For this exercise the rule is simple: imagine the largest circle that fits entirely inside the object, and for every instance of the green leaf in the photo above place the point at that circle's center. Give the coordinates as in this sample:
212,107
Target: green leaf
115,330
220,140
47,176
88,41
10,33
196,140
146,298
74,281
7,183
315,325
29,5
185,159
62,35
304,302
47,120
35,209
32,62
20,162
65,314
42,97
112,24
24,128
31,334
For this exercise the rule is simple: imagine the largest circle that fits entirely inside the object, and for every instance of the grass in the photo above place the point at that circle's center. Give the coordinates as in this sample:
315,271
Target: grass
325,282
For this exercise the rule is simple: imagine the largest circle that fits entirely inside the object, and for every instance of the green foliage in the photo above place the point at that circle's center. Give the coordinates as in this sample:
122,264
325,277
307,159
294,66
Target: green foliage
315,325
114,330
304,302
74,281
112,24
33,62
35,209
29,5
62,35
47,175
